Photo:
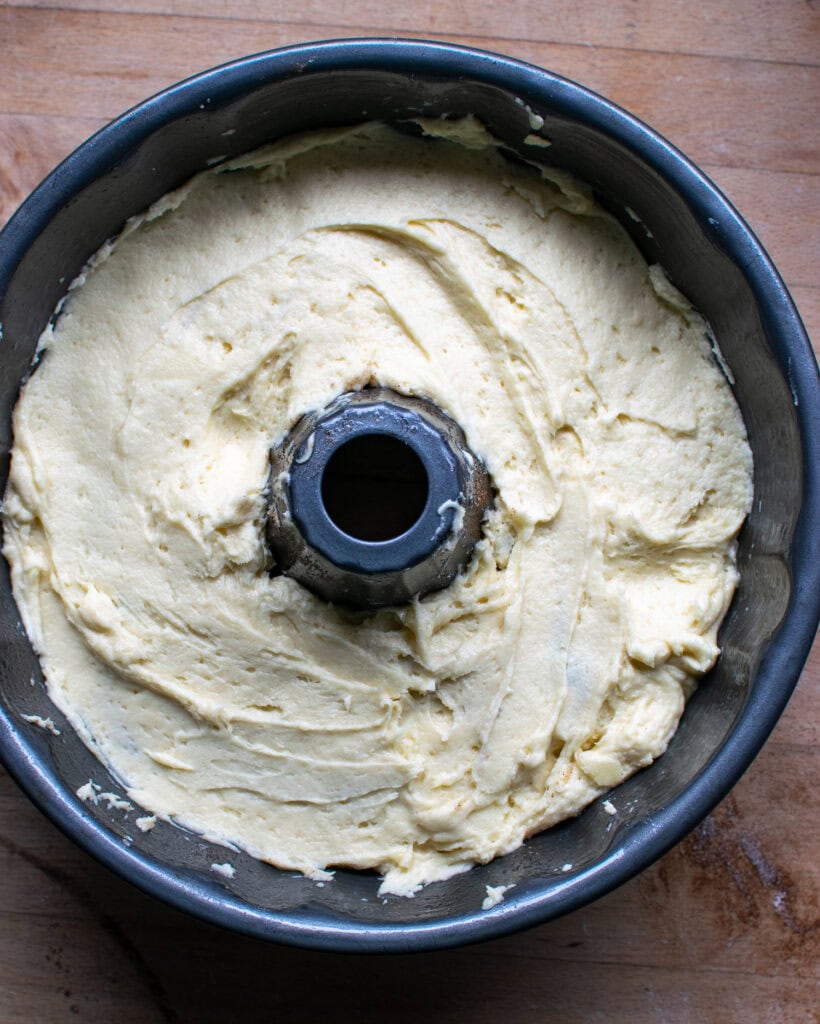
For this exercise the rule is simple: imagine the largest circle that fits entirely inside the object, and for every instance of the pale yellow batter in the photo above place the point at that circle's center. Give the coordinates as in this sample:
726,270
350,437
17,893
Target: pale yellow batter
422,739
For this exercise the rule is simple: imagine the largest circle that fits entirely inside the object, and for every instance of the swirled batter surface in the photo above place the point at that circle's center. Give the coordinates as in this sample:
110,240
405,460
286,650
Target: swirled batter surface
421,739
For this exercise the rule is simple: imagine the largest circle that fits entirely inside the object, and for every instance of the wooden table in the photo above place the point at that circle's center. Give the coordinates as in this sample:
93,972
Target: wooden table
725,927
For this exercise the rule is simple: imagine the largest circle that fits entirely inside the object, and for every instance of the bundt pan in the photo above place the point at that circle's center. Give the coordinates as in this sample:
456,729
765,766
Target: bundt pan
708,252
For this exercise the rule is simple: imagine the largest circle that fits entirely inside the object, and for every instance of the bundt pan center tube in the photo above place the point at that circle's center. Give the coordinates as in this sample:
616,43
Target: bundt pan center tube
677,219
375,500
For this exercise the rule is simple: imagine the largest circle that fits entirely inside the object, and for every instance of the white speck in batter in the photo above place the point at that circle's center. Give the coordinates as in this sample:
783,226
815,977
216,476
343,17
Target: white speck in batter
43,723
88,792
495,894
114,802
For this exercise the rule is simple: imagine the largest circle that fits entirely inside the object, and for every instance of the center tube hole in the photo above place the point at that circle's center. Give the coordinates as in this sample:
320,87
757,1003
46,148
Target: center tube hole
374,487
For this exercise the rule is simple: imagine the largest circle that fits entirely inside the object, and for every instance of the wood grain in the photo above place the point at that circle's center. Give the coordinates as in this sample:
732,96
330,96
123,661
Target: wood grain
770,30
725,927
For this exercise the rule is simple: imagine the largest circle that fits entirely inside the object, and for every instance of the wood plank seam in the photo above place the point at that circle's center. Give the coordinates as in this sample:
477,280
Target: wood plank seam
398,32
